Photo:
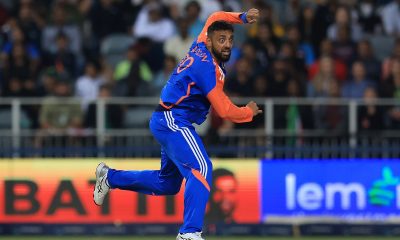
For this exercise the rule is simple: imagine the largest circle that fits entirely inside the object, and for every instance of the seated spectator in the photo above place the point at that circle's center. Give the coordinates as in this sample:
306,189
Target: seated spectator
260,86
63,59
240,83
391,18
60,24
307,24
163,76
192,13
293,117
30,50
331,117
87,86
47,82
387,63
266,44
292,11
249,52
178,45
279,78
344,48
59,113
368,17
130,73
18,73
31,23
152,24
208,7
106,17
340,68
267,16
356,87
113,112
372,65
321,84
343,21
304,50
295,63
391,89
60,119
370,116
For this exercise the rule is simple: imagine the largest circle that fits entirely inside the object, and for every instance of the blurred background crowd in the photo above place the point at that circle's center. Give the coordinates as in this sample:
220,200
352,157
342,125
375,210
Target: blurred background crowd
120,48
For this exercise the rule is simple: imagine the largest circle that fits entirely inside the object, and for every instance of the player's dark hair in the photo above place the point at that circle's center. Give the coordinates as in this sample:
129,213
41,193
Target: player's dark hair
219,26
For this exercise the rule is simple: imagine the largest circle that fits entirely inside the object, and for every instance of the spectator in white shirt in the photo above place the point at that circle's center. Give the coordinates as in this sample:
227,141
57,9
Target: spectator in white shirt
391,18
343,19
87,86
151,23
178,45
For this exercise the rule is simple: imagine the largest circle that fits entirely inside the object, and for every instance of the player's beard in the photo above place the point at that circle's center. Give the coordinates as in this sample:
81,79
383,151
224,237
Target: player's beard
220,56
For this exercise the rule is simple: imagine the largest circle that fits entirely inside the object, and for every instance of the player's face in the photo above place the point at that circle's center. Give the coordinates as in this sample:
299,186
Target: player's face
221,44
225,194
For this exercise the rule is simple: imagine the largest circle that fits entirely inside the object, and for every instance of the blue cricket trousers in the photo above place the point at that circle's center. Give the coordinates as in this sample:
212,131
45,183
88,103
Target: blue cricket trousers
182,156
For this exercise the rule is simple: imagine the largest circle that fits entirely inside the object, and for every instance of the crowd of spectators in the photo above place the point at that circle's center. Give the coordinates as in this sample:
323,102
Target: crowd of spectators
298,48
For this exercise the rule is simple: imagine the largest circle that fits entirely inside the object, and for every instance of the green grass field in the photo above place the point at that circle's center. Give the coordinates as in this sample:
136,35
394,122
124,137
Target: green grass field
208,238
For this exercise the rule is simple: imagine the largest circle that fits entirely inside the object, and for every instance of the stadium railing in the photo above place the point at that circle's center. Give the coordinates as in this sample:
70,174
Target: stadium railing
271,136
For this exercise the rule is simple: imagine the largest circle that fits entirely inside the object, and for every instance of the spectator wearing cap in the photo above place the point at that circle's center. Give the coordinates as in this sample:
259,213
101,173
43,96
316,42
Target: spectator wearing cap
152,24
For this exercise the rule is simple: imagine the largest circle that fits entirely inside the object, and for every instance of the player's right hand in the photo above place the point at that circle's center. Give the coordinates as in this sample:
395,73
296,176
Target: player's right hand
253,106
252,15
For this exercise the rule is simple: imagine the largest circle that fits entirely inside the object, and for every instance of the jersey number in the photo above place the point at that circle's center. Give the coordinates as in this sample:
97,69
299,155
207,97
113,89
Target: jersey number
185,63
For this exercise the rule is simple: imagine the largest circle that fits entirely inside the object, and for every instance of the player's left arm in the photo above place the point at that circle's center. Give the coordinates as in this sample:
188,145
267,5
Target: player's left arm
251,16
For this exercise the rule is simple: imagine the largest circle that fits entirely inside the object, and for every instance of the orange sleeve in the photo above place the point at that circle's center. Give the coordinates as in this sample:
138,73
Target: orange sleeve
230,17
224,106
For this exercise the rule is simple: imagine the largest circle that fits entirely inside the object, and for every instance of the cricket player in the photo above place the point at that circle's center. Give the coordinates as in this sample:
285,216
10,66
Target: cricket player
195,85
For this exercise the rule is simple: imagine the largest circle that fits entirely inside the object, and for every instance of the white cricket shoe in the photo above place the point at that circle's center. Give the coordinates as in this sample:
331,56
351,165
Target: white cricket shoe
101,188
189,236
